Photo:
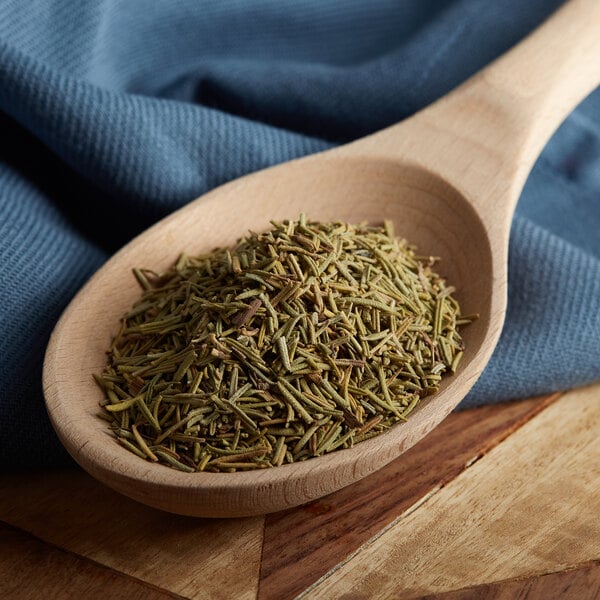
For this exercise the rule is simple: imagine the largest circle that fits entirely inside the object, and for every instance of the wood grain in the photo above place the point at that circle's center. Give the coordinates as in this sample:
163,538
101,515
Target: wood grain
195,558
530,506
31,569
449,178
518,528
579,583
301,545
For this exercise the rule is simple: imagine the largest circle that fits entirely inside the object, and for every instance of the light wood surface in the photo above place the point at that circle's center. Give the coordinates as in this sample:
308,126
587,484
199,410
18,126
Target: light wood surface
336,526
530,507
31,569
449,178
498,502
191,557
578,583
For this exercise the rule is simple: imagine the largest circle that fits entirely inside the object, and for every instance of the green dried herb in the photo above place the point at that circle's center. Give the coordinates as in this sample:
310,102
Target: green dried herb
299,341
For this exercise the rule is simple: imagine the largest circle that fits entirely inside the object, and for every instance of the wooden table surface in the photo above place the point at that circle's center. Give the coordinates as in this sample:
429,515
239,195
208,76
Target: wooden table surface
498,502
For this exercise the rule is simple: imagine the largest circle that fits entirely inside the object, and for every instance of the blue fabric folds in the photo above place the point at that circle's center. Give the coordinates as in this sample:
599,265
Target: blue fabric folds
114,113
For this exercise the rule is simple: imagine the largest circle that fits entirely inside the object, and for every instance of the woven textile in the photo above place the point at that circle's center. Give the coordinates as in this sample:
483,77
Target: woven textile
115,113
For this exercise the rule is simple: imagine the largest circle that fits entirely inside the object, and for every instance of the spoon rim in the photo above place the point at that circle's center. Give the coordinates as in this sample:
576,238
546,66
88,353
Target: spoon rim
104,459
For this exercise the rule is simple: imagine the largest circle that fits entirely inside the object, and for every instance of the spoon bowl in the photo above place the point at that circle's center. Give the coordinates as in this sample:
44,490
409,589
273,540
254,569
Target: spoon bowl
433,215
450,188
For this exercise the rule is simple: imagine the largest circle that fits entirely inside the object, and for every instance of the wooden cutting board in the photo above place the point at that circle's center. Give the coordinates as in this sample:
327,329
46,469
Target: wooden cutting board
498,502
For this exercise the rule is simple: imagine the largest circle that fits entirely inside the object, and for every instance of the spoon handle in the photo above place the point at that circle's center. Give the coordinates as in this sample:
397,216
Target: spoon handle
485,136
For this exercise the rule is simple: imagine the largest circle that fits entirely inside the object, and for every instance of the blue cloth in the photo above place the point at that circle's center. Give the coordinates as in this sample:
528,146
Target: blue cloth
114,113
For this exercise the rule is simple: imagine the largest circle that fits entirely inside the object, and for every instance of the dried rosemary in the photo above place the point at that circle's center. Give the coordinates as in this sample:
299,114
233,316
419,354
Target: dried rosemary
299,341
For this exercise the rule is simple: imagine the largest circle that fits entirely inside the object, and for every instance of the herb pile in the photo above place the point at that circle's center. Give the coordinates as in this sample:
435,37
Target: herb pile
299,341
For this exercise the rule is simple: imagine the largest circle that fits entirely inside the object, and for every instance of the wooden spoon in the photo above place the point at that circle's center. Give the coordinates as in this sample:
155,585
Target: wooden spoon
449,177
